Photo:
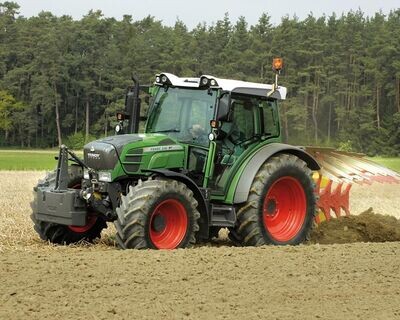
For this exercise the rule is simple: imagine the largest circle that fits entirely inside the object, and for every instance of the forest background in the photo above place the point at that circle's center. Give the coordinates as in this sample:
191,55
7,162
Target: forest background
62,80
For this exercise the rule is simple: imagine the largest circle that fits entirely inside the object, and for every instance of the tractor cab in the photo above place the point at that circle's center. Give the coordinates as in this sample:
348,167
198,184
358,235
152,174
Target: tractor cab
216,120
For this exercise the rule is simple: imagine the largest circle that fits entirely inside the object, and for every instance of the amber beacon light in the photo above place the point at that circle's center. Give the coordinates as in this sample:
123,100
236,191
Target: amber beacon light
277,64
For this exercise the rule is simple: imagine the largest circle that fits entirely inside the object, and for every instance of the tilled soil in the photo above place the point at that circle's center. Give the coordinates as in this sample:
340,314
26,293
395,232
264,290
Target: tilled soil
382,198
366,227
353,281
214,281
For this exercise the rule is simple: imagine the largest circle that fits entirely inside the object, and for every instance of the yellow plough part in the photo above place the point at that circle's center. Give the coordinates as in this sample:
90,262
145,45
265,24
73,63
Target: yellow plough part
339,170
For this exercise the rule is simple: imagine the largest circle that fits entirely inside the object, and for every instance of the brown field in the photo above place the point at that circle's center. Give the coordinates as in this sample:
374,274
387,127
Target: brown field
382,198
219,281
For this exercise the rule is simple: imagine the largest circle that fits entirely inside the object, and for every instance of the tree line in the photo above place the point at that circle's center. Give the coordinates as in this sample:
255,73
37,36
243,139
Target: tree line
61,80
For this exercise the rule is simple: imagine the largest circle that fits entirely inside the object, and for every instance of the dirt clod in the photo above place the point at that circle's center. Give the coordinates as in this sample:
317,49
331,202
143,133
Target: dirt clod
366,227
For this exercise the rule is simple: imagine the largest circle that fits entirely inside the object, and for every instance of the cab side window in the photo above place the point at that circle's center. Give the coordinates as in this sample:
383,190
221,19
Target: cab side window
270,122
243,119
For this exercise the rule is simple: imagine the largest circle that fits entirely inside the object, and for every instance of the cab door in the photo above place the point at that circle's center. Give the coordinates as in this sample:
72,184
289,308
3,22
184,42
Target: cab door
253,120
240,127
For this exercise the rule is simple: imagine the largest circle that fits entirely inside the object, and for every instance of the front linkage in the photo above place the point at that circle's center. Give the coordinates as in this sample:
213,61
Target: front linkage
57,201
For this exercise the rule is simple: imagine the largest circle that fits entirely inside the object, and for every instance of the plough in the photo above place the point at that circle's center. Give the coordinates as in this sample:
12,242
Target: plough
339,171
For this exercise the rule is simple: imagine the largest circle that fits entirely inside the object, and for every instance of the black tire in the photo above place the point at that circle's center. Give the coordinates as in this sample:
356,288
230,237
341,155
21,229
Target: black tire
149,200
271,216
62,234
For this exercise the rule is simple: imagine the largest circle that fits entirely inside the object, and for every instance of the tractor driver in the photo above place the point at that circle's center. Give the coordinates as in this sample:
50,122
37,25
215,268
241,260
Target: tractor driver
197,131
201,112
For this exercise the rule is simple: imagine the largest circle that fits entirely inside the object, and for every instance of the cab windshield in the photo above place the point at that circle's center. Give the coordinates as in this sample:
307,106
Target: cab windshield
183,114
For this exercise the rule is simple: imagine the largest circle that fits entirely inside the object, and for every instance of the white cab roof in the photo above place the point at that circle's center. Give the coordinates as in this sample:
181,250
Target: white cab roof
225,84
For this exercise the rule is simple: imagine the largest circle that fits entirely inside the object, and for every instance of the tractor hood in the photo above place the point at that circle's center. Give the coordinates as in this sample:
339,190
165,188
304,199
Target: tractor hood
104,153
134,153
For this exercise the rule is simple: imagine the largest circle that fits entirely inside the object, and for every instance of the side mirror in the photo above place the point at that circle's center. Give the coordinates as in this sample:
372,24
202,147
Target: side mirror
224,110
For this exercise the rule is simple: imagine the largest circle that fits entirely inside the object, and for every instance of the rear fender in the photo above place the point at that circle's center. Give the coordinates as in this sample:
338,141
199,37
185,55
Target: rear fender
252,166
203,206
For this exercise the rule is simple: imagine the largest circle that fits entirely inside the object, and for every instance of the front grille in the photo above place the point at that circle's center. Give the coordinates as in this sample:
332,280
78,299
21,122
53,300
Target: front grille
133,160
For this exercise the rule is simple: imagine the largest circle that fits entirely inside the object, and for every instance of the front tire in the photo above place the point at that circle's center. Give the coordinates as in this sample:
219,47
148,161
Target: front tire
157,214
281,205
61,234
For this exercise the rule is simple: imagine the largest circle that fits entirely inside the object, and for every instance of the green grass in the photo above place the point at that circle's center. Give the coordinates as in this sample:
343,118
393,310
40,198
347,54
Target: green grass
44,160
27,160
391,163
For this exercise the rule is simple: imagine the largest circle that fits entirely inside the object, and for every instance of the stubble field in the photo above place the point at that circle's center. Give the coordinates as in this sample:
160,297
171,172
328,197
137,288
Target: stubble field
214,281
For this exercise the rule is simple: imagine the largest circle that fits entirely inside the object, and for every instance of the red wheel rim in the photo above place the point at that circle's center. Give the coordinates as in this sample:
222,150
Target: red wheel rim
89,223
284,209
168,224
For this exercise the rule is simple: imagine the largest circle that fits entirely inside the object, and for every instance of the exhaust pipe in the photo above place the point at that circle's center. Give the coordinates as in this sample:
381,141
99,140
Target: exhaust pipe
133,106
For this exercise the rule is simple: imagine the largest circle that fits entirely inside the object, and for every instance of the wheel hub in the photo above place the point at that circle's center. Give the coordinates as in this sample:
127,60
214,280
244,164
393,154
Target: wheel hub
158,223
271,207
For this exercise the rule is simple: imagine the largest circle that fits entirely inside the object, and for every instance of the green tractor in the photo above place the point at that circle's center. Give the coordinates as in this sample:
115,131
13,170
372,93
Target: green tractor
210,157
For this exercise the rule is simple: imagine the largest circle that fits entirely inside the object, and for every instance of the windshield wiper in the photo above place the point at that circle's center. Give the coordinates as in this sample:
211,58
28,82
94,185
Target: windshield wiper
167,130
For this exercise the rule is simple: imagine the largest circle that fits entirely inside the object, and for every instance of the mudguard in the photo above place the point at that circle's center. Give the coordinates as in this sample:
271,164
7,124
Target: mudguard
259,157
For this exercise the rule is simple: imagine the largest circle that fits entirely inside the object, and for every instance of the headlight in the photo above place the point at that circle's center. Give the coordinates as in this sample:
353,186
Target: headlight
105,176
86,174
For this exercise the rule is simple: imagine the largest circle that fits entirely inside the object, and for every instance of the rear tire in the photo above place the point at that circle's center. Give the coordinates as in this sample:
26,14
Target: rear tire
157,214
62,234
281,205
